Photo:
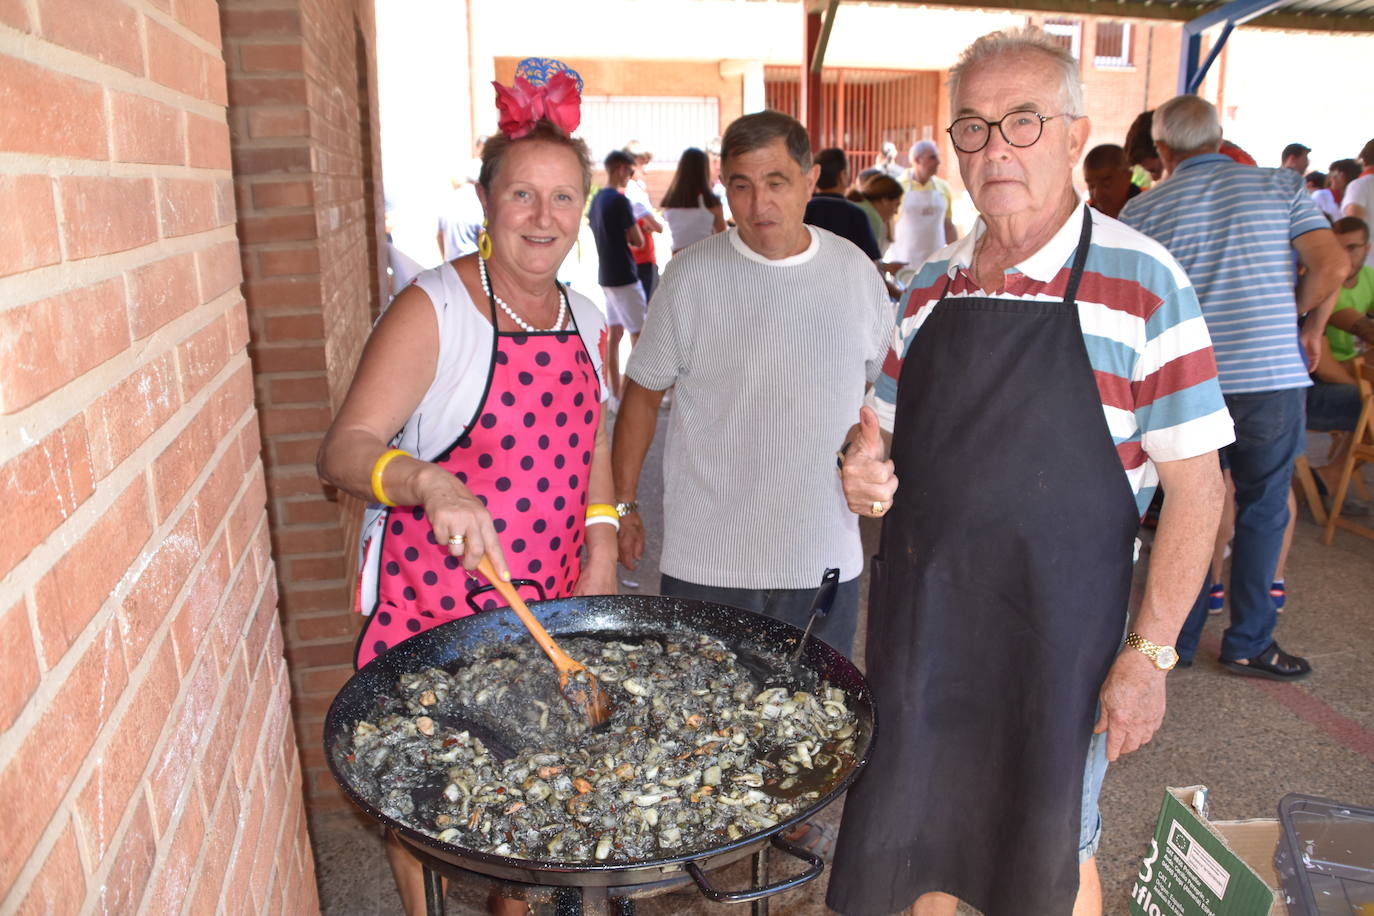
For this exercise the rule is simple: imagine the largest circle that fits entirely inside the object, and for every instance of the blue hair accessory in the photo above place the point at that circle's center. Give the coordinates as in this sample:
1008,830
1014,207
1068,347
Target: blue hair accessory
537,71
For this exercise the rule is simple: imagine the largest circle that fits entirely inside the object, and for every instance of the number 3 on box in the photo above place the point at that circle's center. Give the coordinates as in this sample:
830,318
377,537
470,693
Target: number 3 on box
1147,867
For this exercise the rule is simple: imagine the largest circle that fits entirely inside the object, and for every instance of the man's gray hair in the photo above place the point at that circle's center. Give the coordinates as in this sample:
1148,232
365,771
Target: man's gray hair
1012,41
1187,124
755,131
921,147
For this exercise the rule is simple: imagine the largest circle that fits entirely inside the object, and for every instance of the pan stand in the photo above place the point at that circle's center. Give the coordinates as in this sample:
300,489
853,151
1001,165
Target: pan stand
577,901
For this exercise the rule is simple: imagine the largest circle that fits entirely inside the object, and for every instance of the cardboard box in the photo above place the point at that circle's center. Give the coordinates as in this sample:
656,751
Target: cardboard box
1196,868
1255,840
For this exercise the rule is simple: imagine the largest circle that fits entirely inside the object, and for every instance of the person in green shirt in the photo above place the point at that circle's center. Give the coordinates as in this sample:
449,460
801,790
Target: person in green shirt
1333,401
1350,319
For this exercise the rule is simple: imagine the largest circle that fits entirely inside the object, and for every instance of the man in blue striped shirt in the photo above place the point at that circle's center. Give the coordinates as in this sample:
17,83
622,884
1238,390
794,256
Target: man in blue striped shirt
1234,228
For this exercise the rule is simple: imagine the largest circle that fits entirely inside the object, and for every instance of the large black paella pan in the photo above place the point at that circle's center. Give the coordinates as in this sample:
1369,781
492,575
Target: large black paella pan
760,642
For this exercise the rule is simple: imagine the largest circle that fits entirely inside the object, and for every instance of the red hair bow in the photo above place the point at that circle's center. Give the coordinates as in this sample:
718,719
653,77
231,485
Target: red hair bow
522,105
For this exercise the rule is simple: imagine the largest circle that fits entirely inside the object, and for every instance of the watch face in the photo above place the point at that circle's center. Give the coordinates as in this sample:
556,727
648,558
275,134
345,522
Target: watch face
1167,657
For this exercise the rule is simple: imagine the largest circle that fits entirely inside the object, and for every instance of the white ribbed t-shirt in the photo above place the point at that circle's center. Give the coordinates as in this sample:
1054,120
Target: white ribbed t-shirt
770,360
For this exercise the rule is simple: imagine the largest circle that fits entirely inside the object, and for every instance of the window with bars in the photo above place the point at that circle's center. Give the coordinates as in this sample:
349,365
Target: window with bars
1113,45
666,125
1067,32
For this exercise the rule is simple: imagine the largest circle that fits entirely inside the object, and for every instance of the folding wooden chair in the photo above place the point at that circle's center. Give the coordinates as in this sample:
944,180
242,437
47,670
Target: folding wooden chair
1305,485
1361,451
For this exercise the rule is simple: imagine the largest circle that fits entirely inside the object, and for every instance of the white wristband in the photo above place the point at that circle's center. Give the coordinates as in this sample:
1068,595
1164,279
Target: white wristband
604,520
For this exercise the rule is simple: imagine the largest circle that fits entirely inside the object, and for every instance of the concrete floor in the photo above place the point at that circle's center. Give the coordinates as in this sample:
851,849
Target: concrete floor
1250,741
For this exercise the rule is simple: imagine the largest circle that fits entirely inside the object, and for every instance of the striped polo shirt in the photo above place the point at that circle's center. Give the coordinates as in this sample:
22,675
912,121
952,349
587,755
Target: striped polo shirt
1146,340
770,360
1231,226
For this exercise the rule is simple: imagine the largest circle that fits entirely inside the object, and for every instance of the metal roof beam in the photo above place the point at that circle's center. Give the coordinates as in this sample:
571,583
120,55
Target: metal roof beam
1237,12
1312,19
1191,73
818,62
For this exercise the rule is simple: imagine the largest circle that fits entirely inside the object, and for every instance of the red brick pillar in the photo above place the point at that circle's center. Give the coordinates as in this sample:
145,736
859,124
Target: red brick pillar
147,760
303,131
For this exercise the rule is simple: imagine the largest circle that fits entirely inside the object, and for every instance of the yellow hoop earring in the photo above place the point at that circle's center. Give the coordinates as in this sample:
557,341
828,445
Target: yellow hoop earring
484,243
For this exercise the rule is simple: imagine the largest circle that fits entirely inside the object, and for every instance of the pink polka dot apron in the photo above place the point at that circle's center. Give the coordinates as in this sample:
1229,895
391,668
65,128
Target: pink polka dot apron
527,456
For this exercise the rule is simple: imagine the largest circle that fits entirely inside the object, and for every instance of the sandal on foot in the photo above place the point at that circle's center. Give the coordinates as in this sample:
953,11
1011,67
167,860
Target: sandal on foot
1273,663
1279,594
1216,597
814,837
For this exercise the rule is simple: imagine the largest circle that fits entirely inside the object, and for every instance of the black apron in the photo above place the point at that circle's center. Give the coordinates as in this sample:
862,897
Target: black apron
997,605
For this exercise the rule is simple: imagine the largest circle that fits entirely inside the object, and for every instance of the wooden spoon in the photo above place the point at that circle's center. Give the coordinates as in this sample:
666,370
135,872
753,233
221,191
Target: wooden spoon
579,685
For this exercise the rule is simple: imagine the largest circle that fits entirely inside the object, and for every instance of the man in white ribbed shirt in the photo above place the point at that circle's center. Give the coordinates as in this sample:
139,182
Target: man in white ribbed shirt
769,333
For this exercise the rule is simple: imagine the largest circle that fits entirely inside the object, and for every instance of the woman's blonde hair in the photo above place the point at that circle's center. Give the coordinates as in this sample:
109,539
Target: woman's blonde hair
496,147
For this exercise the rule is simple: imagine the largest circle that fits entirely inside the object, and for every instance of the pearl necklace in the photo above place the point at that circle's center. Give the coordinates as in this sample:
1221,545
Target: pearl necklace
527,328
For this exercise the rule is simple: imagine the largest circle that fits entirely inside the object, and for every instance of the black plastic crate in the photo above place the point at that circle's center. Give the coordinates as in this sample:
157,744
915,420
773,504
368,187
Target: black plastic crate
1325,857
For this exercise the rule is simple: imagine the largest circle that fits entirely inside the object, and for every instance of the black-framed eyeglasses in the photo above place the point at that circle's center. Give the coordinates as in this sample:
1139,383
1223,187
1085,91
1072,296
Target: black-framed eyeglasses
1019,128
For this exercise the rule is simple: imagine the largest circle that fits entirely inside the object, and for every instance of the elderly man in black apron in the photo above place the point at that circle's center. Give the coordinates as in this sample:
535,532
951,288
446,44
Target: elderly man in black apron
1048,372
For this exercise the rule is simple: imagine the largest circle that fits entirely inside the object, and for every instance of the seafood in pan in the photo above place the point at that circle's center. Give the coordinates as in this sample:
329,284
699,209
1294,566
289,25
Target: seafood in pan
697,753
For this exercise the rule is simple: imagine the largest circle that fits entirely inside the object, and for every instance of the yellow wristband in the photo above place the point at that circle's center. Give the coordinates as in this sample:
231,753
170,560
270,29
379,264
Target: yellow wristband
379,468
602,510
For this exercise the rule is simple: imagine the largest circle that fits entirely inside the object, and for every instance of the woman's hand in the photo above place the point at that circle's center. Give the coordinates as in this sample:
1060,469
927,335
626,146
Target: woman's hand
460,521
598,576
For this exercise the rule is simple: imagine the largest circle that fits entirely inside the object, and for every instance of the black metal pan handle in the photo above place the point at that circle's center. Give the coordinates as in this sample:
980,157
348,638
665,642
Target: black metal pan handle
471,598
815,865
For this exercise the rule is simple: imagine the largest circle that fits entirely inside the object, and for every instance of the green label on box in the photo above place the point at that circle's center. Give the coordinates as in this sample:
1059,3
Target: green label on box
1190,872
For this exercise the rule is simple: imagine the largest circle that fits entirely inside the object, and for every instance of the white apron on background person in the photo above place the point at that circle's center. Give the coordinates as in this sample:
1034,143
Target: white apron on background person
920,224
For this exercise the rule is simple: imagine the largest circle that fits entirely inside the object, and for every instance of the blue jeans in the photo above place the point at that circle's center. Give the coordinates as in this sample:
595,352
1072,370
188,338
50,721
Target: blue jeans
1269,436
1090,823
1332,407
790,605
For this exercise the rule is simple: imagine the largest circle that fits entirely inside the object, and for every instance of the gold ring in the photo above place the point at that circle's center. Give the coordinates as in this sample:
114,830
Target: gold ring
877,507
456,541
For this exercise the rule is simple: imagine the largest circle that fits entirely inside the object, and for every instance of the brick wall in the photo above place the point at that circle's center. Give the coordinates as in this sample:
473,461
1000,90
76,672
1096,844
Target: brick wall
302,97
1113,96
147,761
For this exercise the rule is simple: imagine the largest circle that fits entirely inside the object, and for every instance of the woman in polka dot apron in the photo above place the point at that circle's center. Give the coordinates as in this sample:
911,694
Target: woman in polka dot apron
491,370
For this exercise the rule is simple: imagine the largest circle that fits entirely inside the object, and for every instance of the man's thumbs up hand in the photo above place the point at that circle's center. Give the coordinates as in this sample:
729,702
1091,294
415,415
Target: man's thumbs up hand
870,440
868,477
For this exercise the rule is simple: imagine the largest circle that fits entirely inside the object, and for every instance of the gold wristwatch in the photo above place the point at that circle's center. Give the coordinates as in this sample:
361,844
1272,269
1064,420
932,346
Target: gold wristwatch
1164,657
624,509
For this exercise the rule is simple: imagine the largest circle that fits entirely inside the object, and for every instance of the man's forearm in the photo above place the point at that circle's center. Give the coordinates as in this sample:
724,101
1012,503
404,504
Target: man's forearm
634,432
1321,315
1326,267
1182,549
1352,322
1316,294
